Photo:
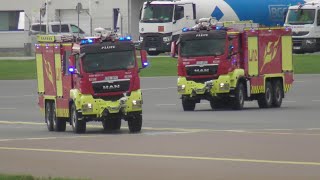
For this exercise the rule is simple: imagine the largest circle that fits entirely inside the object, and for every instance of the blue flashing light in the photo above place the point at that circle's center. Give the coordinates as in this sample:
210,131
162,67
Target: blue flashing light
287,28
145,64
86,41
129,38
218,28
121,39
185,29
71,69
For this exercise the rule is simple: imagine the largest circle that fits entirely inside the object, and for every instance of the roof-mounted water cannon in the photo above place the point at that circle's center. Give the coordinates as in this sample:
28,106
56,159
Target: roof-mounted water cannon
105,34
205,23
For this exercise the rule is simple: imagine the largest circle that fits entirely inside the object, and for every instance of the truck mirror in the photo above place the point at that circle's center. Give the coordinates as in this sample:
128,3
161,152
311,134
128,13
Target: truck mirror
72,65
144,59
173,49
231,48
72,61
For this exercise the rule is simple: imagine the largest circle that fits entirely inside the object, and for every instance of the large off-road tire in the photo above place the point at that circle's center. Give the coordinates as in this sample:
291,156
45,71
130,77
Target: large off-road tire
277,94
265,99
135,122
78,126
49,116
59,124
111,123
188,105
238,100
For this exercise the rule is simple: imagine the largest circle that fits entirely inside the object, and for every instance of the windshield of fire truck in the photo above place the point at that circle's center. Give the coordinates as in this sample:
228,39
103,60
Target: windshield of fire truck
157,13
301,16
203,47
110,61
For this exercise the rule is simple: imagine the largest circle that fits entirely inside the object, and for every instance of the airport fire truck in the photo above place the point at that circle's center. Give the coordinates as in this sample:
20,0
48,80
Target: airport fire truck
92,79
229,63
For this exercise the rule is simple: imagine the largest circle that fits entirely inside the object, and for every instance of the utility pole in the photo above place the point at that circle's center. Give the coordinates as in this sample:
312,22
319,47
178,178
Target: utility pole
47,25
90,15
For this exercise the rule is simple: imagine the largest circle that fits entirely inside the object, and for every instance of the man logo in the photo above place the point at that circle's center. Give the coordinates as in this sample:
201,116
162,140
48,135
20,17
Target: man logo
202,35
111,87
108,47
201,70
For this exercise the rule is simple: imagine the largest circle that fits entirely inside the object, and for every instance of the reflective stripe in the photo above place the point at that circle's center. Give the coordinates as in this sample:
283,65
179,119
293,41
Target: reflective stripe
257,89
253,56
40,73
62,113
287,56
58,75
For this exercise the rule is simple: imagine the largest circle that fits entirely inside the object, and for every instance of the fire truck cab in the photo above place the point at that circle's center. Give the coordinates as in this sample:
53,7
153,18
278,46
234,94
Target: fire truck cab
92,79
232,62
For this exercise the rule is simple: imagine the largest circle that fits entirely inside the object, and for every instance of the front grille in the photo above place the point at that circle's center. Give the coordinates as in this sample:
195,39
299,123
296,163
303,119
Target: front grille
153,41
297,42
109,98
199,80
111,86
300,33
194,70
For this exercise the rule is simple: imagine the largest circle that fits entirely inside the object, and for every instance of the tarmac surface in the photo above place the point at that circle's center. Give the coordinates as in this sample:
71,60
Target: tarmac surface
254,143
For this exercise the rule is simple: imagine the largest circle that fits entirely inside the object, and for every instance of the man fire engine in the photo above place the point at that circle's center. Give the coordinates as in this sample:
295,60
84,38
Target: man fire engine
230,65
95,79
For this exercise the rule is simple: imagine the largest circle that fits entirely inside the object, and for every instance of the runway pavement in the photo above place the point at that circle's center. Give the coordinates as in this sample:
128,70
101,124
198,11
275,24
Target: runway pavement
249,144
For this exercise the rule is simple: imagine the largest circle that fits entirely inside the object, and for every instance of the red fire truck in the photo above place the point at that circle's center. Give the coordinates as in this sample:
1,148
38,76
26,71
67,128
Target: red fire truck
228,65
92,79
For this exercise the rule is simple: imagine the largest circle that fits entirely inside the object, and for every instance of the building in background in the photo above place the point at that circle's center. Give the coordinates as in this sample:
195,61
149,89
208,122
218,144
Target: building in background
16,17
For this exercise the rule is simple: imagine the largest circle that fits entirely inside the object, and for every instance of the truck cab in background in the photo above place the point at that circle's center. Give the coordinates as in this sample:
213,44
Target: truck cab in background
161,23
304,20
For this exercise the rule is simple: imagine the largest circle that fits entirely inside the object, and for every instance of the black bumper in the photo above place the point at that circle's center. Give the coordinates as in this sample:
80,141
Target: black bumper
301,45
153,42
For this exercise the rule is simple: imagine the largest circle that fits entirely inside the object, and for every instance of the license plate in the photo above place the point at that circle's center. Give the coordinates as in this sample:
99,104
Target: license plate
111,78
296,47
202,62
152,49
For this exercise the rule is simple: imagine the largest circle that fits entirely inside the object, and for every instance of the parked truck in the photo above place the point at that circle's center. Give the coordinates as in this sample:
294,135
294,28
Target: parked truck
92,79
161,22
304,20
230,65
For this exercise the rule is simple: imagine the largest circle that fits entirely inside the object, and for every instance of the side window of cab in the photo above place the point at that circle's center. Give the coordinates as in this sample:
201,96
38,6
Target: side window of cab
318,18
179,13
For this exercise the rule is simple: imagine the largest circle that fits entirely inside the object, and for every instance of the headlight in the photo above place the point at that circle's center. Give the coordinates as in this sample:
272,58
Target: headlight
167,39
310,41
224,86
181,88
137,103
87,107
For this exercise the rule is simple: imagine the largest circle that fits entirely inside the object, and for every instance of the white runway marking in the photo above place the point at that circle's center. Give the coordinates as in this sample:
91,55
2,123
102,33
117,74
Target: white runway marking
165,104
